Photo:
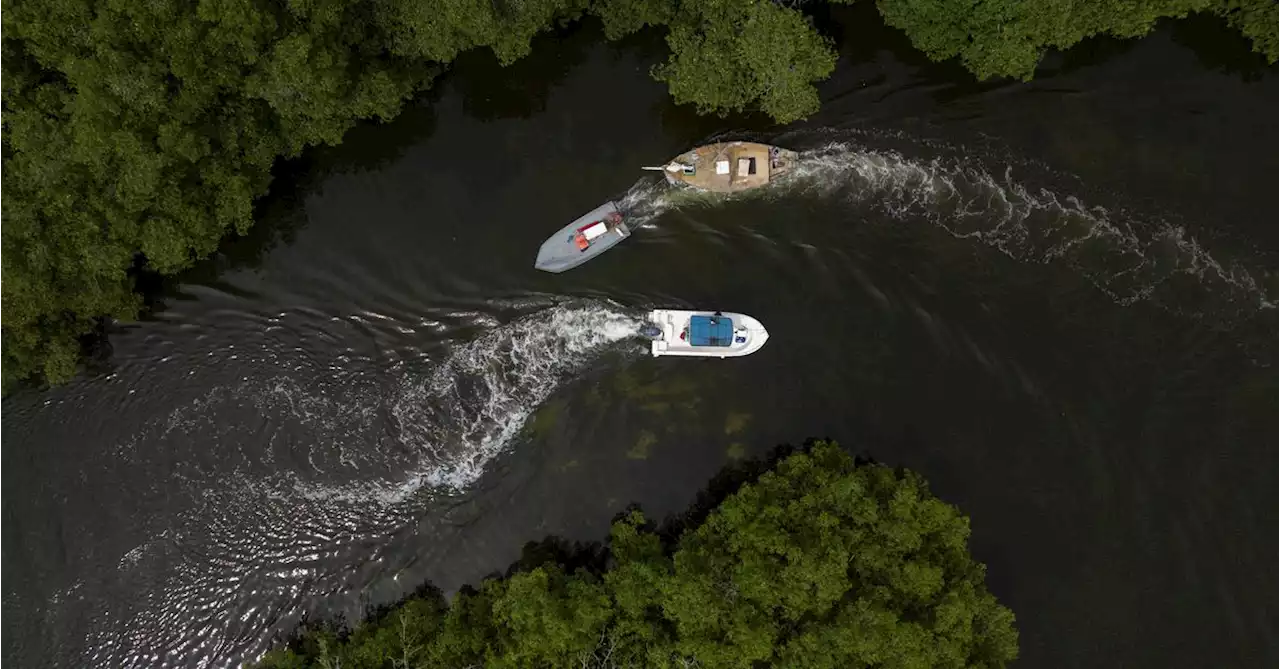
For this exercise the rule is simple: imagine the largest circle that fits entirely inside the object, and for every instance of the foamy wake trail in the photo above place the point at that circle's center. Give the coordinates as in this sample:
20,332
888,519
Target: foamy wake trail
645,201
251,550
471,406
1128,260
452,420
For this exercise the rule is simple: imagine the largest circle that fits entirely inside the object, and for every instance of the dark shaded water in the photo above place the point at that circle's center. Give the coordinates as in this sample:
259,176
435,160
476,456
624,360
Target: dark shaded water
1055,300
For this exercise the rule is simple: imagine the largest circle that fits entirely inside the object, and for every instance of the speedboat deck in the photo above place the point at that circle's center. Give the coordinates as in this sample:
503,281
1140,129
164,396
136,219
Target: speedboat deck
708,334
585,238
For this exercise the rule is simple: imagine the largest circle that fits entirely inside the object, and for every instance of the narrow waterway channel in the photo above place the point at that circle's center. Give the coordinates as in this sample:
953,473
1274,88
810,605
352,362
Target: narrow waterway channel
1055,300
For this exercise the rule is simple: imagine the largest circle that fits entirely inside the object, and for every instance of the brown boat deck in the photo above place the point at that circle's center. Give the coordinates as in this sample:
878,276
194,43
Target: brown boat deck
741,165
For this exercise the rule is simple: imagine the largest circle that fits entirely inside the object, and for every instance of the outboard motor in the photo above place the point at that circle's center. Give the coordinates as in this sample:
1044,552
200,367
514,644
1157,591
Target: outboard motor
651,331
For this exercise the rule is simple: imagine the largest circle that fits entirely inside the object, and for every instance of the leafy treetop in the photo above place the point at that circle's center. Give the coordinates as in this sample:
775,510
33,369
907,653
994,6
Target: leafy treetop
819,563
137,134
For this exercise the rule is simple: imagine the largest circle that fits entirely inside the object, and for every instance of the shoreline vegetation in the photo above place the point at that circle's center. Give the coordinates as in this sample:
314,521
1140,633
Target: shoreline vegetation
137,136
808,559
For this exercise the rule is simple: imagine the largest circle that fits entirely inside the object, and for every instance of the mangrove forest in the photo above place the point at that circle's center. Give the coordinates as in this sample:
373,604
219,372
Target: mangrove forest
815,561
136,136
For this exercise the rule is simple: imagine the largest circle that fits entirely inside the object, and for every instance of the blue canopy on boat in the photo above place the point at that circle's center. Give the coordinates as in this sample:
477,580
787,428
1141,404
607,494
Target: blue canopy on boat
710,331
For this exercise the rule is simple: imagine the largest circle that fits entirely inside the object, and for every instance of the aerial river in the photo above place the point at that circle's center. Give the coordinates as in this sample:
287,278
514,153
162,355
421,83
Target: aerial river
1056,300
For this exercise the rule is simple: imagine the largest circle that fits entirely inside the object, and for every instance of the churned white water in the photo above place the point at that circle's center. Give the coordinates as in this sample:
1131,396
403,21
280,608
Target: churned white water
371,454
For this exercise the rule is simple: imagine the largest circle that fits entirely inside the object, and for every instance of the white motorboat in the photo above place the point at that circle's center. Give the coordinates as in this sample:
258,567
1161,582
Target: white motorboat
708,334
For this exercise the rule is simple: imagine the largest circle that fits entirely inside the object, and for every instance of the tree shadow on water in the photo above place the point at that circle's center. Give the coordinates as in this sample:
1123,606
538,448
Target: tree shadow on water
281,213
862,37
371,144
277,217
686,123
1218,46
491,91
1089,52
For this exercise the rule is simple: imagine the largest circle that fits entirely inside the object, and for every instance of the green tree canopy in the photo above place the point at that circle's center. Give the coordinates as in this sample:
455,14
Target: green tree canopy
137,134
821,562
1257,19
1006,38
733,55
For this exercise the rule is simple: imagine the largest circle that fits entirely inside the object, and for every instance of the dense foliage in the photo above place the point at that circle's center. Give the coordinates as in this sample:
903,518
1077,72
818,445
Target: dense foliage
731,55
821,562
1008,37
137,134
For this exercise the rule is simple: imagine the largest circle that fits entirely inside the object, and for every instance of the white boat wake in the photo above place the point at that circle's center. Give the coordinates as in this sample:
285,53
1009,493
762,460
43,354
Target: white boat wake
1130,261
1127,260
254,550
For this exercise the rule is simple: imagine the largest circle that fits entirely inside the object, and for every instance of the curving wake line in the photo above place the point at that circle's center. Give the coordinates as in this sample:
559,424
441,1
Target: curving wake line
252,550
1128,260
475,402
645,201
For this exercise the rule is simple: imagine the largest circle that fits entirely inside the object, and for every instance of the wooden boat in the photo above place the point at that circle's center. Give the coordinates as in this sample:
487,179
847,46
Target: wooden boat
729,167
590,235
707,334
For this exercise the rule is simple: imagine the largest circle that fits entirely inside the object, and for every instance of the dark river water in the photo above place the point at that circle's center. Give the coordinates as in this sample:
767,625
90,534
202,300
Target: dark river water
1056,300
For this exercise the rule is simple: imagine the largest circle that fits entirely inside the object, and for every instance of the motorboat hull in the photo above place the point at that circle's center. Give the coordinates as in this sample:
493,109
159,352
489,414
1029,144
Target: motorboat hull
562,251
703,334
729,167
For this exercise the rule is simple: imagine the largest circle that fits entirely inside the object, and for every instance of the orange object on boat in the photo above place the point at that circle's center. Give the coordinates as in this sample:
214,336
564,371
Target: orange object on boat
582,241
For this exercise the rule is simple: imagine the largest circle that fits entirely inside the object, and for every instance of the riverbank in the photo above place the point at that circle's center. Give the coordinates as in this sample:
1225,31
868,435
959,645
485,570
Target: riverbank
199,104
278,438
807,559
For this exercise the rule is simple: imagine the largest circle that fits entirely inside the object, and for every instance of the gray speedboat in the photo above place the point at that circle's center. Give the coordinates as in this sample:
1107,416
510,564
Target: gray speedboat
580,241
